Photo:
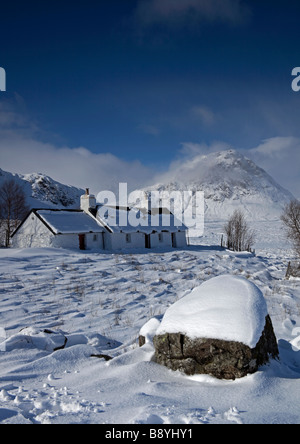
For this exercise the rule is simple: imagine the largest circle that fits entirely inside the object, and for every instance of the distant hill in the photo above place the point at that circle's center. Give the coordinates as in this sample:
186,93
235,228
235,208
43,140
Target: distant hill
41,191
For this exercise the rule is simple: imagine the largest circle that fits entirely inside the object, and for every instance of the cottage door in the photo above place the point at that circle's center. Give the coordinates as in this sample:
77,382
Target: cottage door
147,241
174,240
81,241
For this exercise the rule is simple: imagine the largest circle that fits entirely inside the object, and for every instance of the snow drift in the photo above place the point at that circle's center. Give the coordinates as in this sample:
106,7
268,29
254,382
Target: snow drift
222,328
226,307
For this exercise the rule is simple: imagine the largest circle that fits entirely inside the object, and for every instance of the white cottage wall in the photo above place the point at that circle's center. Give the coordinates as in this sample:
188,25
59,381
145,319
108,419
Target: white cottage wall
180,237
33,233
160,240
166,239
137,241
66,241
92,241
122,241
154,241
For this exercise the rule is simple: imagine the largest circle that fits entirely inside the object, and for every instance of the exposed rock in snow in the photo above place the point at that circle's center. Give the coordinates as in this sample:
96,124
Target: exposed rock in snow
148,331
221,328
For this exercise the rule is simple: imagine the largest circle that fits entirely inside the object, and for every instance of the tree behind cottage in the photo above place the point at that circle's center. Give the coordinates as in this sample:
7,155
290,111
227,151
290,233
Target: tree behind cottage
240,236
13,209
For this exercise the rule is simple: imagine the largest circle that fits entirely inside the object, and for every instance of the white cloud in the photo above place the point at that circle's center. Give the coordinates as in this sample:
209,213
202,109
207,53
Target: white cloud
78,166
191,149
149,12
204,115
23,152
277,147
188,166
14,115
280,157
149,129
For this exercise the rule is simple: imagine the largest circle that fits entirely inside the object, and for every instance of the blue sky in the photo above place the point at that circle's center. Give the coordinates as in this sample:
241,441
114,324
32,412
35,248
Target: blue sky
134,84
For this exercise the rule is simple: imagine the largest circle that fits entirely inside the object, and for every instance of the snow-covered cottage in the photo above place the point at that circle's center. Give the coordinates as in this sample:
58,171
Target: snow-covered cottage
97,226
58,228
140,228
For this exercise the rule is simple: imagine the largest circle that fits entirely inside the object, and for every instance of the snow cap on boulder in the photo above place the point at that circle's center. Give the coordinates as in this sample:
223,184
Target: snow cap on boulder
226,307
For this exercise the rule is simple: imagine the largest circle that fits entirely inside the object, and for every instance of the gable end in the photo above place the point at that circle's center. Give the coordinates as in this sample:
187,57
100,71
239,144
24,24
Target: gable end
35,212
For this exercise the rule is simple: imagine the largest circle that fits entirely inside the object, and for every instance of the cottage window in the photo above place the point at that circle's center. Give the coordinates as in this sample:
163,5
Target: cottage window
160,237
128,238
95,237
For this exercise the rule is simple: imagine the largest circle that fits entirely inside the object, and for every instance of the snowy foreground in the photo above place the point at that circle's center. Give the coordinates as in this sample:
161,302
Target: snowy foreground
99,302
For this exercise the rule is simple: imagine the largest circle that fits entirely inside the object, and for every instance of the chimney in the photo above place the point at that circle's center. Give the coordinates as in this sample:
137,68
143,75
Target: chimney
87,201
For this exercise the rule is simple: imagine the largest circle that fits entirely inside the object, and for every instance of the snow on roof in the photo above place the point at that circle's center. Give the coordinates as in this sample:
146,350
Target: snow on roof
68,222
225,307
128,220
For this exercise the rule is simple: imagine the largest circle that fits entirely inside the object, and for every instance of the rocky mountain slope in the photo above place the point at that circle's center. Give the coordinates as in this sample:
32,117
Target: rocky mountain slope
229,181
41,191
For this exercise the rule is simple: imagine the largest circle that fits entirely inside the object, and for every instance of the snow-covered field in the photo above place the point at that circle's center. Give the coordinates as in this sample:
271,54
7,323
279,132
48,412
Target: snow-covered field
99,302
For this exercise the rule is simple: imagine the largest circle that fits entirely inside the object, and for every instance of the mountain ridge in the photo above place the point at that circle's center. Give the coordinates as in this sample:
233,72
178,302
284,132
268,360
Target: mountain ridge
44,192
229,181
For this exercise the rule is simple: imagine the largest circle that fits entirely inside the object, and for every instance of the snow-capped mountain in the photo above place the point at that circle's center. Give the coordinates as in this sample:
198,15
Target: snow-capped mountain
42,191
229,181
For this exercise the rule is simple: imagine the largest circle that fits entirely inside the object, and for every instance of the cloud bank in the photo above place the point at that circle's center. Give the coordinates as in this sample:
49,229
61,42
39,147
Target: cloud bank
21,151
280,157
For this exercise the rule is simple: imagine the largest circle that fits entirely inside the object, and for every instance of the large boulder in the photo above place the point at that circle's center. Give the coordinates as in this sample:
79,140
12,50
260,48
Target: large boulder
221,328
